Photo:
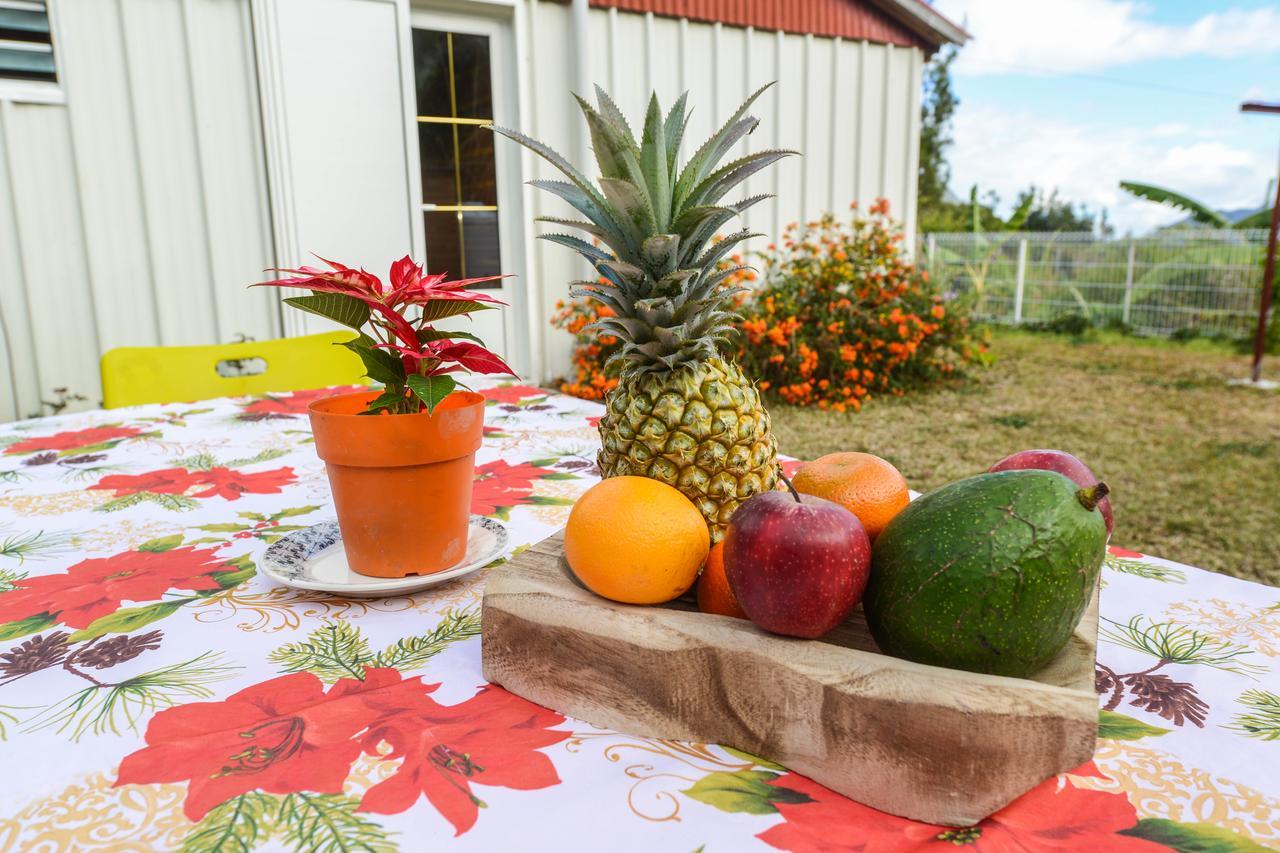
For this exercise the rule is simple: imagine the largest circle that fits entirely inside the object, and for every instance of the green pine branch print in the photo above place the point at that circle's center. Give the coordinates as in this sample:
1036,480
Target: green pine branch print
412,653
1262,720
339,650
333,651
237,826
1137,568
9,579
304,821
329,823
1171,642
127,705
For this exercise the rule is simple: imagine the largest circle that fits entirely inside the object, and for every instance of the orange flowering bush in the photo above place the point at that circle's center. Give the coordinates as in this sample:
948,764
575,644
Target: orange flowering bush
843,315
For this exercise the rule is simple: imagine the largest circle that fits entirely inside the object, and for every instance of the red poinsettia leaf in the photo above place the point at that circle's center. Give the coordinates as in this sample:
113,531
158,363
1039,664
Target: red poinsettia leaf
474,358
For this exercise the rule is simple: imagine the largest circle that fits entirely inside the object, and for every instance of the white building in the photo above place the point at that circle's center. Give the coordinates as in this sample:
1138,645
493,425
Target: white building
157,155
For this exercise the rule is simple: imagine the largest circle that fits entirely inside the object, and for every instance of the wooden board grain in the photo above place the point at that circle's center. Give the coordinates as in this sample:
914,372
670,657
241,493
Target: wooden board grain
931,744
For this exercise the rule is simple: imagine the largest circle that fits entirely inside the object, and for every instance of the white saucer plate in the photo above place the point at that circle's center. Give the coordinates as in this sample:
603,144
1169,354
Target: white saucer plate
313,558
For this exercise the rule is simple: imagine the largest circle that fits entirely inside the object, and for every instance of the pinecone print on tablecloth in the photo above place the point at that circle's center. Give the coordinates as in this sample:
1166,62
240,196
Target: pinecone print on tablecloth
1104,680
116,650
39,652
84,459
1176,701
41,458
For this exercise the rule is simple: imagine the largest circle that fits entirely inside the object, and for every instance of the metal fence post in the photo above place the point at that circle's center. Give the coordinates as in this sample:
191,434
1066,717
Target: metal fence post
1022,281
1128,283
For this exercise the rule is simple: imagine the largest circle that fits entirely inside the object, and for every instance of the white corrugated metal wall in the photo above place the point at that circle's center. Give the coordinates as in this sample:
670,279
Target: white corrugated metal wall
851,107
134,213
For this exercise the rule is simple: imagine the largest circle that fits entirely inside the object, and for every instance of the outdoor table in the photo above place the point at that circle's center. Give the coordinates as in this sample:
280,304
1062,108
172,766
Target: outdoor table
155,691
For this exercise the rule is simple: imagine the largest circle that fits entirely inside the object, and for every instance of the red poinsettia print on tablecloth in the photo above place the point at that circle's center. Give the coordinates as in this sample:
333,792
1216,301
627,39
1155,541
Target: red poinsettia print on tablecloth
790,466
72,439
491,739
98,586
286,405
219,481
281,736
1054,817
1124,553
511,394
290,734
500,486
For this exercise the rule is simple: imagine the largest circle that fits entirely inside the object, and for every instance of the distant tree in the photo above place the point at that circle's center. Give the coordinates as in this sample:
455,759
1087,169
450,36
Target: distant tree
937,107
1049,212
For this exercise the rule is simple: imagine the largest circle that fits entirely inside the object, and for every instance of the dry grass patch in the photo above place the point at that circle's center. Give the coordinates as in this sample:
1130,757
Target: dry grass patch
1194,464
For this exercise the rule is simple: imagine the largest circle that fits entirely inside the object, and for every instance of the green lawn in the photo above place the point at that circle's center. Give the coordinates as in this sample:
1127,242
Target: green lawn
1193,464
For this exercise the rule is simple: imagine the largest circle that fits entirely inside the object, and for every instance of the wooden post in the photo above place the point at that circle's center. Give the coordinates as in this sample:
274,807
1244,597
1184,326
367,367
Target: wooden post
1268,277
1128,283
1269,269
1021,283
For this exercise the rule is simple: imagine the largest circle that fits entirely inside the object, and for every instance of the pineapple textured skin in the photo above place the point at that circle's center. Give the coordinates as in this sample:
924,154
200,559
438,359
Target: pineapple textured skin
700,428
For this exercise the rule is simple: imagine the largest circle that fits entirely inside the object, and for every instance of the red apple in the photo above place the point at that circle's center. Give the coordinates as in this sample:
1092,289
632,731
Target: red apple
1062,462
796,563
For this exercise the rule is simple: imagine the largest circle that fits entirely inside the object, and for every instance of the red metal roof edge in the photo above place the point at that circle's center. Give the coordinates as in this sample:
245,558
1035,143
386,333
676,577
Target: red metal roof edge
912,23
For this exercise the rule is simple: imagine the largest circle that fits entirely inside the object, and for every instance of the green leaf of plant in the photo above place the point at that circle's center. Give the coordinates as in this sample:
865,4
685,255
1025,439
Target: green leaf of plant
337,307
431,389
23,627
742,792
164,543
237,826
385,400
379,364
128,619
1192,837
441,309
329,823
1123,727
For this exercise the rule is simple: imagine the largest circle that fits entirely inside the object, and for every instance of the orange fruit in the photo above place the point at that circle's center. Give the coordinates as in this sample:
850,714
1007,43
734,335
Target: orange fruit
862,483
714,592
636,540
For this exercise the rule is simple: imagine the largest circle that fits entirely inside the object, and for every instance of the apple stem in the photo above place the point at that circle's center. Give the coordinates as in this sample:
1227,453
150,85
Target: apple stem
791,488
1091,497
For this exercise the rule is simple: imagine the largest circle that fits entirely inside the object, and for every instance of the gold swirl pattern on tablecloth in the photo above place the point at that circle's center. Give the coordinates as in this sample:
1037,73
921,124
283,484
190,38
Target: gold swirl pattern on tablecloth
1255,627
93,815
652,795
284,608
1161,786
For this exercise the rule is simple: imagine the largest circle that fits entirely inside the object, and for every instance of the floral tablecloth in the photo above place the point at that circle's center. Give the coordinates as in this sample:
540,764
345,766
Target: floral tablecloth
157,693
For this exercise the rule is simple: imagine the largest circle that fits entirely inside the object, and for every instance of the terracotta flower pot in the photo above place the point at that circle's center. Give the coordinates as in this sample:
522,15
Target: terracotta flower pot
401,483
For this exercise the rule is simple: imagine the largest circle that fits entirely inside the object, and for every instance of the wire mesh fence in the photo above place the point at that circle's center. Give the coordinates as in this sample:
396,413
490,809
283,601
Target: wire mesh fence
1200,280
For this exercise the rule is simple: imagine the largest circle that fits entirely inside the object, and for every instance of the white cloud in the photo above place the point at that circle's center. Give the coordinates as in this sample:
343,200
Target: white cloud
1049,36
1009,151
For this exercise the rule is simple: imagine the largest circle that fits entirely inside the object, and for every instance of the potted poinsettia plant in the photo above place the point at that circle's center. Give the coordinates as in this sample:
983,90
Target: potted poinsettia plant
401,459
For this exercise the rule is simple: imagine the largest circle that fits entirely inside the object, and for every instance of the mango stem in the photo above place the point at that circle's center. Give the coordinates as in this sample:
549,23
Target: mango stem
1090,498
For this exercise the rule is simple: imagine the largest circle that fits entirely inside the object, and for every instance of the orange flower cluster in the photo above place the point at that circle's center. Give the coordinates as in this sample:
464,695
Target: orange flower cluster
841,315
844,315
591,380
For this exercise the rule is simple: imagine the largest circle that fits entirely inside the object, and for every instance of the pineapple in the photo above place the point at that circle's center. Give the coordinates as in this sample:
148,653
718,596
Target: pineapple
683,411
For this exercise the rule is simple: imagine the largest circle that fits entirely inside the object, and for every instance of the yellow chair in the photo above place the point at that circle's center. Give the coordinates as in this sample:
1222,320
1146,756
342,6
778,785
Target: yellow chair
132,376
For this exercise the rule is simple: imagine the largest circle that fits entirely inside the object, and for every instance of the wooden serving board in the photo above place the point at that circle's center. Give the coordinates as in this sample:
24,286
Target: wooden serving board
931,744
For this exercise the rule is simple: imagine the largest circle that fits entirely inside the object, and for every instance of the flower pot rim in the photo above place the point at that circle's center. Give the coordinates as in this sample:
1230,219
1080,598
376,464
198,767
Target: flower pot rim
322,406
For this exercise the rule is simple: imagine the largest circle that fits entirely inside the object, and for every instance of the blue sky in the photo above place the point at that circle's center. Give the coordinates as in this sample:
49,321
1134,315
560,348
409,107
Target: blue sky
1080,94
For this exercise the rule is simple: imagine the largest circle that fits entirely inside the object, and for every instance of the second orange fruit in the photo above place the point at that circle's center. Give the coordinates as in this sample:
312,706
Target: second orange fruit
862,483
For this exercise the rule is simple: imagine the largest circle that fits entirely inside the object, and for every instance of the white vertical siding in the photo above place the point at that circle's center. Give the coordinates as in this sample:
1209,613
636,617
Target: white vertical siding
850,107
136,212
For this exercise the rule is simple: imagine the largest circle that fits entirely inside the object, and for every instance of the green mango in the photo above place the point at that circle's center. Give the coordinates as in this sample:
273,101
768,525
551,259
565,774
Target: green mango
989,574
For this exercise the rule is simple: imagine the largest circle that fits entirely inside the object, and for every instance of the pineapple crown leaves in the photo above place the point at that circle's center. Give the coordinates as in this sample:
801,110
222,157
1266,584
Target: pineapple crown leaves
655,223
